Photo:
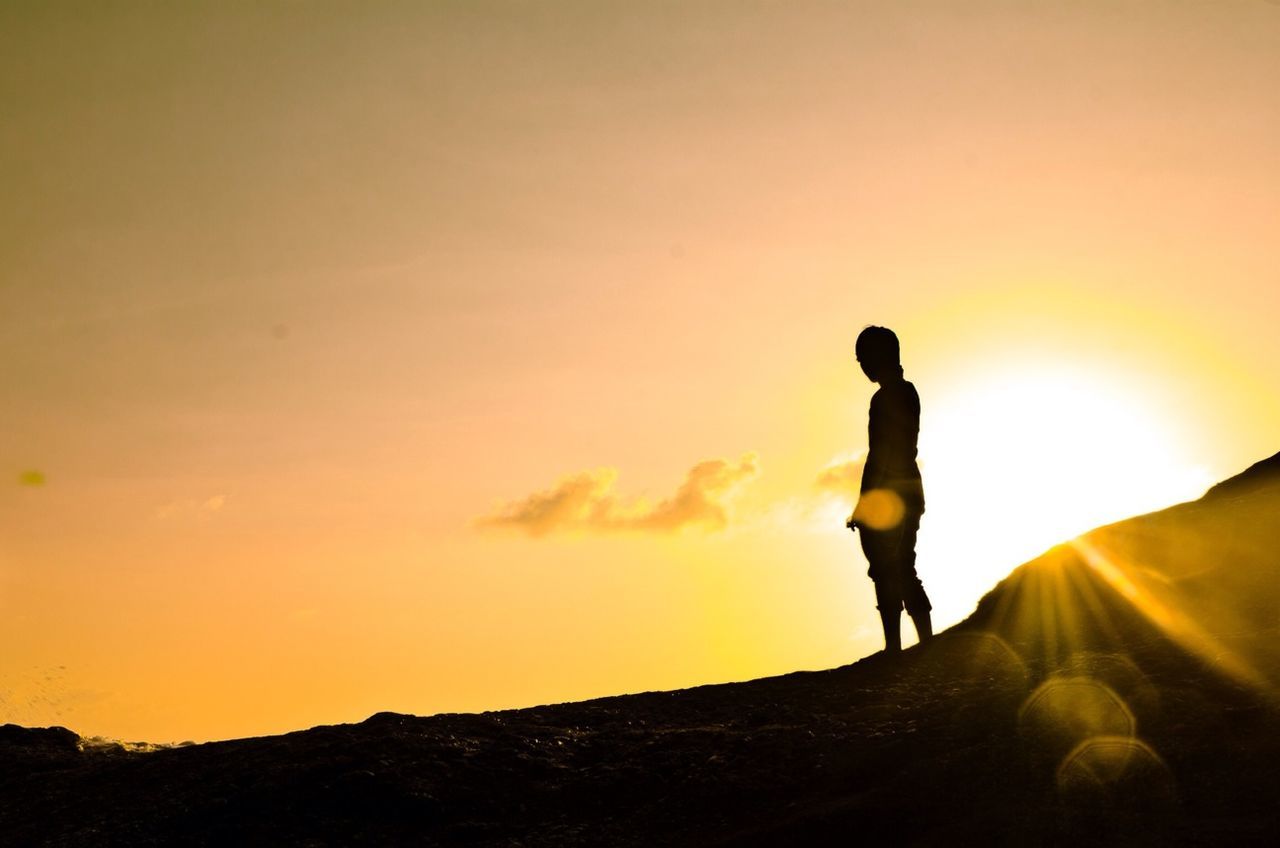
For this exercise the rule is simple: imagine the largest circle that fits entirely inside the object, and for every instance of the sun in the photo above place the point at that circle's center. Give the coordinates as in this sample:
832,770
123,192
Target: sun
1018,460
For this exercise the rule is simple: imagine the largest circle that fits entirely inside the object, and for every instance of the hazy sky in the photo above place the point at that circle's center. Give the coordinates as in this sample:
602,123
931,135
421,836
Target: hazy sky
436,356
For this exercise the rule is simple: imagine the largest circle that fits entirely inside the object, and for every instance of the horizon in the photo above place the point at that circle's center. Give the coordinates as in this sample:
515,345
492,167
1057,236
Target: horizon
455,358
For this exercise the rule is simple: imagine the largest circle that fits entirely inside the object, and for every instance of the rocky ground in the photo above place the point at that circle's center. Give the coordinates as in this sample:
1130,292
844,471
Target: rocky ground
1120,691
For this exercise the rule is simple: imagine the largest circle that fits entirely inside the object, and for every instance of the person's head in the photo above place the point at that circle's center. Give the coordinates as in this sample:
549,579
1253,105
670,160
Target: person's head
878,353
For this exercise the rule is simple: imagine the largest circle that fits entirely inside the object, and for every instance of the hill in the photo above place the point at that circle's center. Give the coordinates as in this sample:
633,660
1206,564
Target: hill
1120,689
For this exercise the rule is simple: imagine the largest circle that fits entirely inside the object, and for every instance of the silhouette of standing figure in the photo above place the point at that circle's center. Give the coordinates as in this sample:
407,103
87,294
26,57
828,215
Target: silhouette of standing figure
891,501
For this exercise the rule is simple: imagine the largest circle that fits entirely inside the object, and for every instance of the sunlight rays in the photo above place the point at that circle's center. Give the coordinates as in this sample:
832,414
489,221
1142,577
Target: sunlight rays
1136,586
1082,596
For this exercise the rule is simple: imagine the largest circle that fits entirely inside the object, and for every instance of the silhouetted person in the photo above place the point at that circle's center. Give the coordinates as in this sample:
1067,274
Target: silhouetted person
892,495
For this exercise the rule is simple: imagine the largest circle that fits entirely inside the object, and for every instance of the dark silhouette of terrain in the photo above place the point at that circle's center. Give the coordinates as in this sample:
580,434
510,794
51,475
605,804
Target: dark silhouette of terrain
1119,689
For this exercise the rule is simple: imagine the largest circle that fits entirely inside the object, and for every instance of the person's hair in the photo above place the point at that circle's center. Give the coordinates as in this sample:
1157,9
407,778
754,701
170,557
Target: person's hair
878,344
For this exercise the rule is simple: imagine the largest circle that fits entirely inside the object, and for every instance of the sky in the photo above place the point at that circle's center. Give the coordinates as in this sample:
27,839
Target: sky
443,357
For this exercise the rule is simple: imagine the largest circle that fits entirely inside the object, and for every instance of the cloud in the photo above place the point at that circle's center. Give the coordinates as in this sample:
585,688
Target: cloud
822,508
185,508
586,502
842,479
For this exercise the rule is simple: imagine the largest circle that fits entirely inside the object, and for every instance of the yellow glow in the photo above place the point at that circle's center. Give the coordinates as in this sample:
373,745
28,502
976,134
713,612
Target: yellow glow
1019,459
879,509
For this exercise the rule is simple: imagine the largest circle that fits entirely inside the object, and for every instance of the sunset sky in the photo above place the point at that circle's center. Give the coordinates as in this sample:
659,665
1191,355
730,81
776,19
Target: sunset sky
456,356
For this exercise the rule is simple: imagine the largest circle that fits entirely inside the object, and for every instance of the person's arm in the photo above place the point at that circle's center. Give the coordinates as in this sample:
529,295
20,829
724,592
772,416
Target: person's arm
872,466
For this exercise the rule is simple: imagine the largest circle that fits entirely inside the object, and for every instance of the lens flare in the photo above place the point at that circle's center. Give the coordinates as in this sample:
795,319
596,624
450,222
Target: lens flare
1062,711
879,509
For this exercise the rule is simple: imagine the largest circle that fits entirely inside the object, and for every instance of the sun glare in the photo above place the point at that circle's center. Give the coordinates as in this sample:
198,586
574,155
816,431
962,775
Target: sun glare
1019,461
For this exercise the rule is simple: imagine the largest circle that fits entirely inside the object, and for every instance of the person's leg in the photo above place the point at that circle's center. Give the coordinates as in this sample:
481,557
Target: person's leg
879,547
913,594
890,608
923,620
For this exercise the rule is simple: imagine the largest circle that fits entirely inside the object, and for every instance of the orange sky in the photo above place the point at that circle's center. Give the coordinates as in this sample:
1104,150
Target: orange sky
293,298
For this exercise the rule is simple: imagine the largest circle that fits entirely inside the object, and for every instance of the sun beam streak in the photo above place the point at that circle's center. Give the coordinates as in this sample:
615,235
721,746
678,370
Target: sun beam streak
1178,626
